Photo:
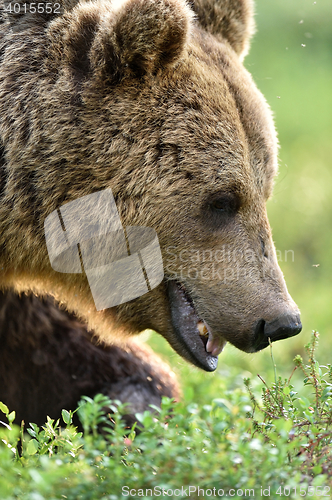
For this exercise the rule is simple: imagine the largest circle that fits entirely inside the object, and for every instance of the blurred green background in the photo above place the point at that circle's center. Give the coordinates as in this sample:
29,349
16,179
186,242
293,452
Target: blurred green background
291,63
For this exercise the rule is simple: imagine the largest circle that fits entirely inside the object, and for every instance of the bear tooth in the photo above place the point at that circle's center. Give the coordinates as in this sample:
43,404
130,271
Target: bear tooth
203,331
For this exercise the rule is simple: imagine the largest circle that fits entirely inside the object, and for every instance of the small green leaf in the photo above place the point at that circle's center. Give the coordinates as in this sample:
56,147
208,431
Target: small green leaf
309,417
66,417
304,402
32,447
11,416
4,408
326,393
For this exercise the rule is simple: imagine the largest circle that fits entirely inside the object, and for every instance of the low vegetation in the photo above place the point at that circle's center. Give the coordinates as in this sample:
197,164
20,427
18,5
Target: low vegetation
244,444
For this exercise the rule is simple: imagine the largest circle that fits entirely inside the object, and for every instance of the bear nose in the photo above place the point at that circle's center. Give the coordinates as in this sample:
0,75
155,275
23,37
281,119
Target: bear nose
282,327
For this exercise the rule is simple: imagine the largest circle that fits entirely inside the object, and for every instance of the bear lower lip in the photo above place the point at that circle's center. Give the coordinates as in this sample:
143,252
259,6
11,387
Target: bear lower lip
192,339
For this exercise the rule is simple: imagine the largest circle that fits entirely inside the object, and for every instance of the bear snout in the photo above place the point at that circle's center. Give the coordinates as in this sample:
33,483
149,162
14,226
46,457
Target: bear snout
282,327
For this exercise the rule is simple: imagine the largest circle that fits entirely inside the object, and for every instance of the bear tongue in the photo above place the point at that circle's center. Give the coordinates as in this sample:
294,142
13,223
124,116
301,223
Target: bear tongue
215,346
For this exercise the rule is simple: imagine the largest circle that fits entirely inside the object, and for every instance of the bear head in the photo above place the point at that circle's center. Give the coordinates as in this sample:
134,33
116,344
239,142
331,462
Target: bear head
148,98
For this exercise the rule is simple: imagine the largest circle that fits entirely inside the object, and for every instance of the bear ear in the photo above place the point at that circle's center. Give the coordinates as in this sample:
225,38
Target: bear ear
141,36
228,19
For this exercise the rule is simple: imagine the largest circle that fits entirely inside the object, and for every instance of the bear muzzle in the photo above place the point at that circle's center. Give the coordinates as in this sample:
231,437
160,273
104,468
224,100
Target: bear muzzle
197,342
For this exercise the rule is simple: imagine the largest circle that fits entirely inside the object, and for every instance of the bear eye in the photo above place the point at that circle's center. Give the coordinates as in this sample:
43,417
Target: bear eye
226,203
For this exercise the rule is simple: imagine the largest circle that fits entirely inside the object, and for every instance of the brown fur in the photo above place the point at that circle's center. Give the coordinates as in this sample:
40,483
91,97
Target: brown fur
230,20
140,97
49,360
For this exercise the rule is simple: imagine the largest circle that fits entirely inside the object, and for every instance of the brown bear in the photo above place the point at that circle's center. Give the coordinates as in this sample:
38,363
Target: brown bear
148,99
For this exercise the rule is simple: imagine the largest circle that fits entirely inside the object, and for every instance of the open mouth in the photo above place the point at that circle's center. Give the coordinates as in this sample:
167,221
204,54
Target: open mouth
194,337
